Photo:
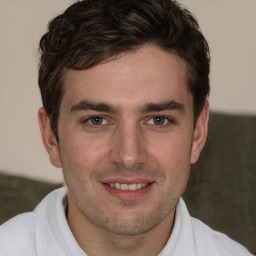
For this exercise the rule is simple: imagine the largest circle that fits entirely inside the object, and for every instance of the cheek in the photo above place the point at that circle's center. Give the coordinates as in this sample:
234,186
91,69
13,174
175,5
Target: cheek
173,157
81,155
171,152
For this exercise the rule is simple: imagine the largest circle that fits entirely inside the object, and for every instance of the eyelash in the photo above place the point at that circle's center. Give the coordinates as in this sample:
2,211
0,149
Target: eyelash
90,123
167,121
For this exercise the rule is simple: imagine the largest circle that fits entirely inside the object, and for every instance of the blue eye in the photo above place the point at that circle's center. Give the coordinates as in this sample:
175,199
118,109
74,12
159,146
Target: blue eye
96,120
158,120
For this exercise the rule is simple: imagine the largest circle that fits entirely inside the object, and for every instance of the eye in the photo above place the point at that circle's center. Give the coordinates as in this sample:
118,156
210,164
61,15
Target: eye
159,120
96,120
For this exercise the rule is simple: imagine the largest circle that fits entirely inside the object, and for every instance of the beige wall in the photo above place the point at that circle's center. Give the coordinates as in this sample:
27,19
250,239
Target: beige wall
228,25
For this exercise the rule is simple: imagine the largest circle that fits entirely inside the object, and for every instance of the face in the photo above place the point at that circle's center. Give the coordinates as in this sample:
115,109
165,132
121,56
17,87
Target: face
126,140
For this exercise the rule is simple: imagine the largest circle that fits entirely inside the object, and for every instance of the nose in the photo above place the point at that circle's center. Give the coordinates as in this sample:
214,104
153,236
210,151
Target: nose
129,147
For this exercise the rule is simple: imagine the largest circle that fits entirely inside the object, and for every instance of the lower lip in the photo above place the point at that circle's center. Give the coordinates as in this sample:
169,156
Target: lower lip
128,194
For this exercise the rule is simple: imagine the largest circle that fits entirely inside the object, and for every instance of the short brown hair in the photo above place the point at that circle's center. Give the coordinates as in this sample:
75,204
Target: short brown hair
91,31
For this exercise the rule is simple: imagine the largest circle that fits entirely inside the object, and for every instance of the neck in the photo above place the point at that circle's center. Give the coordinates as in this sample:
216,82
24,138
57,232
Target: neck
95,241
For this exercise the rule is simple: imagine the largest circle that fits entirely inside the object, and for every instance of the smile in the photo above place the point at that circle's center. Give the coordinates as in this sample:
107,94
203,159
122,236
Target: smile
130,187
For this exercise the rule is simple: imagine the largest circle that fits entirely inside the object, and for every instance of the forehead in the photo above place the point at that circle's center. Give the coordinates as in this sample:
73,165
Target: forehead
144,76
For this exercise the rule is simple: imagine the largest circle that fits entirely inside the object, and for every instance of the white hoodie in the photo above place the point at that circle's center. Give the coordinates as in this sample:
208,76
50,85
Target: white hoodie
45,232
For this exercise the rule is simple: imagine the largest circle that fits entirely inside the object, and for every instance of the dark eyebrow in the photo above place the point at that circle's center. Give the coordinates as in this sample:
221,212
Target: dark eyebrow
150,107
88,105
170,105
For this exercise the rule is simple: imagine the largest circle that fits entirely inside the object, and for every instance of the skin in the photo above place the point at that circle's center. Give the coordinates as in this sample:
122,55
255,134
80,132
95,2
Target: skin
129,120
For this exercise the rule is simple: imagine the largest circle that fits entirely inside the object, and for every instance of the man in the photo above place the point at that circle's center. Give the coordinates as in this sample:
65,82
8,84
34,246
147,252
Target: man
124,85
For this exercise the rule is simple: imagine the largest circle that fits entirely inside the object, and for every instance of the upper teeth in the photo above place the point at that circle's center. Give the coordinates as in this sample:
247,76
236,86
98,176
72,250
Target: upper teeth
134,186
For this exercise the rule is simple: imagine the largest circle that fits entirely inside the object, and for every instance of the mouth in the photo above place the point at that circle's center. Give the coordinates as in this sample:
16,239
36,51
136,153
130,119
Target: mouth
127,187
128,190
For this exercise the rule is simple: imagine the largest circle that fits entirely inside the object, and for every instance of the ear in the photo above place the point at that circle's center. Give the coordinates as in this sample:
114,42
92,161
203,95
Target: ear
200,133
48,137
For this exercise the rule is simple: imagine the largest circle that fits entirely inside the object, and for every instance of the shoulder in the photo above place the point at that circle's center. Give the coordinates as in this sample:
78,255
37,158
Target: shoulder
215,243
21,234
17,235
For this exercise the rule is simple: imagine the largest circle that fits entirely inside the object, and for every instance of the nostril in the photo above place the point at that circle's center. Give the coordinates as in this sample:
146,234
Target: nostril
135,168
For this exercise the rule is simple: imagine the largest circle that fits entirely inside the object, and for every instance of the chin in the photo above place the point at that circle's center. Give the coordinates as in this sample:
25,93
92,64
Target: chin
135,223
